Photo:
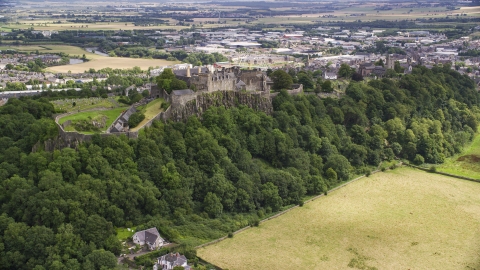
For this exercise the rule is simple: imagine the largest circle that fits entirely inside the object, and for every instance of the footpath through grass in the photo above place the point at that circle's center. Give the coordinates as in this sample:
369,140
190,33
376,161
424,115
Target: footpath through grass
465,164
401,219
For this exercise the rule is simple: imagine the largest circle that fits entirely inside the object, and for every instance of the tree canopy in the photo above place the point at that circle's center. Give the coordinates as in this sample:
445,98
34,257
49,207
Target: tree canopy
169,82
281,80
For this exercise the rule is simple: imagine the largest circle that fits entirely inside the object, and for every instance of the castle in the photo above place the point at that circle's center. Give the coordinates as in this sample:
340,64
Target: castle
210,79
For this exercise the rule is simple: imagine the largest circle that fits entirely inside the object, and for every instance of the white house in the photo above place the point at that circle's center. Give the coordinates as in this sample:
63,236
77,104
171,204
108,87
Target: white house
169,261
330,76
149,237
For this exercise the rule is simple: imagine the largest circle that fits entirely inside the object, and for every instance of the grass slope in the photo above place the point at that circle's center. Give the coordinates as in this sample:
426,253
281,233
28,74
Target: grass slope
465,164
404,219
150,110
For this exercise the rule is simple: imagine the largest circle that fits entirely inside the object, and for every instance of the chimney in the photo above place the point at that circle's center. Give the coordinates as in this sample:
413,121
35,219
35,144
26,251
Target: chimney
188,71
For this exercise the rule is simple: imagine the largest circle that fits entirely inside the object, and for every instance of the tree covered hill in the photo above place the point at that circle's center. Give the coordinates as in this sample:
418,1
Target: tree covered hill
200,179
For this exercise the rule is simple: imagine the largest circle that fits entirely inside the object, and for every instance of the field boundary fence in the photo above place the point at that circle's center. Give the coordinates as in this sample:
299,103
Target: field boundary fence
444,173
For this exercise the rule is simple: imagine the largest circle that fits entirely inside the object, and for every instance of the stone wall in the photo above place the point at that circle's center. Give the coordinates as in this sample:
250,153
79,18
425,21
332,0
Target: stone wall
297,89
255,80
72,138
207,82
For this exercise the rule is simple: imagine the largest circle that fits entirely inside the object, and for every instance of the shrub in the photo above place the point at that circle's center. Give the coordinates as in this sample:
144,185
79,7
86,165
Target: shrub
368,173
432,169
135,119
230,235
383,169
300,203
418,160
165,106
393,167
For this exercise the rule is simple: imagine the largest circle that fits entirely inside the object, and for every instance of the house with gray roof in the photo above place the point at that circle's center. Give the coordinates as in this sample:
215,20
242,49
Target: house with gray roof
149,237
171,260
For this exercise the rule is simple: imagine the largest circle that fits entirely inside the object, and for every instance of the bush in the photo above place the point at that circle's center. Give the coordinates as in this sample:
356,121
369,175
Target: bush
383,169
300,203
393,167
432,169
165,106
418,160
230,235
135,119
368,173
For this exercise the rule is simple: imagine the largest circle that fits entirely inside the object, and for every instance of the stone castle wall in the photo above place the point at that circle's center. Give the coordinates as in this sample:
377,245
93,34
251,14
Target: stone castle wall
255,80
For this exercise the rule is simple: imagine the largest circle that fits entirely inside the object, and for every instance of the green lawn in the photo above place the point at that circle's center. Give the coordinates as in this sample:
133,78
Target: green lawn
465,164
123,233
110,114
83,104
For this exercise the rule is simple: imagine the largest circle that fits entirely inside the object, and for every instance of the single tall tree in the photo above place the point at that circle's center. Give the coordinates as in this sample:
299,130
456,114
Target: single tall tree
281,80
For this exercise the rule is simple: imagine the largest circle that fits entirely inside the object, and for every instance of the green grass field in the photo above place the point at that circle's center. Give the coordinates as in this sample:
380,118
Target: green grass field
123,233
150,110
465,164
402,219
71,50
82,104
110,114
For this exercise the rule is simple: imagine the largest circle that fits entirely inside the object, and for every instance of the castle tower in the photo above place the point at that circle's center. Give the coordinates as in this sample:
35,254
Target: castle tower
390,62
199,69
188,72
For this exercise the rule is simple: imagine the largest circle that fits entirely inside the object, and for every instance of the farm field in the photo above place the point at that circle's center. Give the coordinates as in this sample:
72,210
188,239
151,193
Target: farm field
465,164
111,115
49,25
402,219
71,50
96,61
100,62
150,110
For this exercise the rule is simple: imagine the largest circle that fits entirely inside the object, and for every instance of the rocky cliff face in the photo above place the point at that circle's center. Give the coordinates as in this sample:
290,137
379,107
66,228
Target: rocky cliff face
228,99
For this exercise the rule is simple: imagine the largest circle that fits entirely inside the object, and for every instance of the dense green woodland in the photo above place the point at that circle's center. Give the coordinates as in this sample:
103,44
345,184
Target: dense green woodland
200,179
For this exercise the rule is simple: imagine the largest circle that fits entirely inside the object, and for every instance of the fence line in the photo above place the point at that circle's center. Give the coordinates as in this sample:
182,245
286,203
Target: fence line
446,174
